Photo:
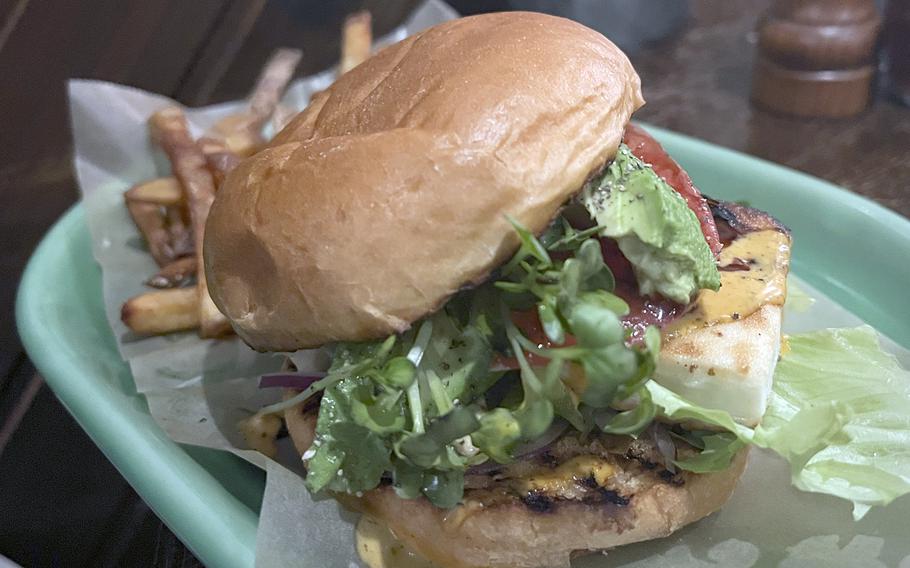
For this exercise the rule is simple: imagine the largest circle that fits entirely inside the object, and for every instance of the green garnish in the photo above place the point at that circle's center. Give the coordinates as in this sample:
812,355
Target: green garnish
414,406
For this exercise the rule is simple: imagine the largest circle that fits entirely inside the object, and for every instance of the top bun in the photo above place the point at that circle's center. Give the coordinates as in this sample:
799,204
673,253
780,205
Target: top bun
389,193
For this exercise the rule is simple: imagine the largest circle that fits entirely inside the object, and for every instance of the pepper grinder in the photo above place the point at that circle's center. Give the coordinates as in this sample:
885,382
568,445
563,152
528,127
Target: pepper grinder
815,57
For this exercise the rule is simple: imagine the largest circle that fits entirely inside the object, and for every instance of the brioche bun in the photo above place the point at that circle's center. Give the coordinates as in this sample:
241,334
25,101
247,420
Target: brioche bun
388,194
514,536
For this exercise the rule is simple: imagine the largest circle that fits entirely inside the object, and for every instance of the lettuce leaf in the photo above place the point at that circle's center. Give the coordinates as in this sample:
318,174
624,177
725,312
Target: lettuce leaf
717,451
349,457
839,414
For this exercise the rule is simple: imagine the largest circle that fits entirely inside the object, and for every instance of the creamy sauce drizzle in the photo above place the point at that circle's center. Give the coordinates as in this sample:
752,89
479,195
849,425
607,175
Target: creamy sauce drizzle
742,292
378,547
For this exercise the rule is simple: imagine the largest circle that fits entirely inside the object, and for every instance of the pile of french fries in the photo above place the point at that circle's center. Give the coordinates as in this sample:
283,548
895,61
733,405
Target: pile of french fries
170,212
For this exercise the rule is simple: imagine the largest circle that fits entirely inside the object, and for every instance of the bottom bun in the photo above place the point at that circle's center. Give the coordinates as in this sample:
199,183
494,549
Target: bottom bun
575,498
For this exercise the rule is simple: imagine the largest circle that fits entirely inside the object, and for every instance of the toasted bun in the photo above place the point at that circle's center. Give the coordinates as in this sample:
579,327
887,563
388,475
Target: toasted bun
510,534
514,536
388,193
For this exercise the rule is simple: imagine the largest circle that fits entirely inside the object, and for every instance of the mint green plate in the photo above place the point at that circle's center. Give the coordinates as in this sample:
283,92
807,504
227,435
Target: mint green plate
209,498
852,249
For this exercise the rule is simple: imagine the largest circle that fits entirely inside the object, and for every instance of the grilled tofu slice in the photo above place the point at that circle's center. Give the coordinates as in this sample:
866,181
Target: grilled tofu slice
723,351
728,366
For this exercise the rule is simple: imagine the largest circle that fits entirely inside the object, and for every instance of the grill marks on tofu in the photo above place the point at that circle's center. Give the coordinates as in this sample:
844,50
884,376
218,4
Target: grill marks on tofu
606,471
734,220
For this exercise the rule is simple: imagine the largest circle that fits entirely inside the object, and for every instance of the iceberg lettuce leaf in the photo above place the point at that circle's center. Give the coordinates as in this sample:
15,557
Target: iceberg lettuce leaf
839,414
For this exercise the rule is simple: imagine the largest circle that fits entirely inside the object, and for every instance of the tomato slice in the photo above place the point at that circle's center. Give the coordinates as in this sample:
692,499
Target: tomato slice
528,322
618,264
647,149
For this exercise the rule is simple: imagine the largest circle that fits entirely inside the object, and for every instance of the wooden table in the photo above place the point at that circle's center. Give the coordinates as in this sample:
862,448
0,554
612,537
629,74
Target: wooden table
696,82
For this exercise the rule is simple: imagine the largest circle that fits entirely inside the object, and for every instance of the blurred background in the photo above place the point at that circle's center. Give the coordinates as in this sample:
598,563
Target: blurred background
732,73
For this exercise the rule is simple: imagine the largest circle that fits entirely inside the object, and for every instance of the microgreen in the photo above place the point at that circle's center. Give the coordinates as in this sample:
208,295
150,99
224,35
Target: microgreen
406,402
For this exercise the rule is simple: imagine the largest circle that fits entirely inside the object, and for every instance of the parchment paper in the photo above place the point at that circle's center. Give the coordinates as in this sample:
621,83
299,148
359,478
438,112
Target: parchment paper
198,390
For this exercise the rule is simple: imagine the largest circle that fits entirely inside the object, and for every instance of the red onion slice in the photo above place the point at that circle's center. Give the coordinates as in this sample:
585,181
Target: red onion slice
289,380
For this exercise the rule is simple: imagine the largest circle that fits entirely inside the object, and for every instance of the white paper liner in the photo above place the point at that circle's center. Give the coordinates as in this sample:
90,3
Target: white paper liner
198,390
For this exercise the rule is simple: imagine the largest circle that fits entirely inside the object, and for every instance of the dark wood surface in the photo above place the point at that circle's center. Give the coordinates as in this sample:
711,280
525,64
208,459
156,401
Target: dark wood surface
698,84
61,503
150,44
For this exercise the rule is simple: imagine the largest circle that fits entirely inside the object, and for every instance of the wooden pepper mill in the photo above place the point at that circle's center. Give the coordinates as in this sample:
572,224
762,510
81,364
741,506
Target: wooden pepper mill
815,57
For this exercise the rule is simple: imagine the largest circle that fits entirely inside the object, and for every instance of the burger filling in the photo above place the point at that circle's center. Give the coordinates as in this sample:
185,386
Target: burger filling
537,384
564,336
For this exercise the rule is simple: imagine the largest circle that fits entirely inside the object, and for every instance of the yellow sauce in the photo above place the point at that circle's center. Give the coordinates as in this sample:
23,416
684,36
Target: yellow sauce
742,292
562,479
378,547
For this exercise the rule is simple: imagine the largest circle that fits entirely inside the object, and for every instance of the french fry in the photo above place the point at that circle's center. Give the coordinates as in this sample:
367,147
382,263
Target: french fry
161,191
281,117
212,322
169,129
150,220
175,274
272,82
171,211
242,132
178,222
356,40
220,159
163,311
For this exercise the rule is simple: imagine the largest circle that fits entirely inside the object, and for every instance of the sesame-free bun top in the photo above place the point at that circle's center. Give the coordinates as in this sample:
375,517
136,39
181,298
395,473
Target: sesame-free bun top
389,193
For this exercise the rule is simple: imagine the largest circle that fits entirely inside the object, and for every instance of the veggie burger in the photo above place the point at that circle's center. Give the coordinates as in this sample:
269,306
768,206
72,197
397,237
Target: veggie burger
507,275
